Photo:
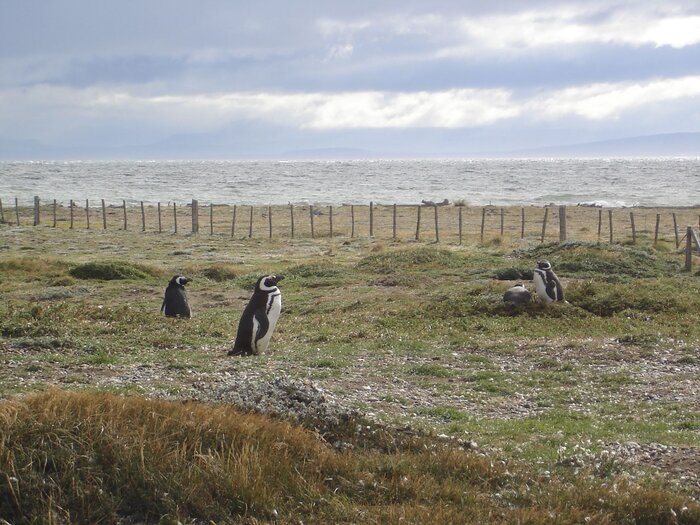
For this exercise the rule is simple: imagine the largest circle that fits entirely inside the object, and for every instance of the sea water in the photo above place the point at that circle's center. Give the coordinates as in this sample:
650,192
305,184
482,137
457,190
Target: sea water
603,182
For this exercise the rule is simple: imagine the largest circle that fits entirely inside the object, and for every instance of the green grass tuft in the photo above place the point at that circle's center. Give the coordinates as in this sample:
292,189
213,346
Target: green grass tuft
111,271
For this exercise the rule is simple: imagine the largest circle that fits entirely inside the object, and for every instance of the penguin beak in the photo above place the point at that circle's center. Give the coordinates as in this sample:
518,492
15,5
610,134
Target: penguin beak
278,278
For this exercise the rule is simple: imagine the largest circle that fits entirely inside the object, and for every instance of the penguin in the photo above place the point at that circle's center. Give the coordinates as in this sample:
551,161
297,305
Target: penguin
517,295
259,317
175,301
547,283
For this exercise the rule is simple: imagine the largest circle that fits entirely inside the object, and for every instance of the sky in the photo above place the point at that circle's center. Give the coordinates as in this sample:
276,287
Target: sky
176,78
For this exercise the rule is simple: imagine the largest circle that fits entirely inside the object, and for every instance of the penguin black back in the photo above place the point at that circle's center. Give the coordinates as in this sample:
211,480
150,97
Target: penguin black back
175,302
548,286
259,317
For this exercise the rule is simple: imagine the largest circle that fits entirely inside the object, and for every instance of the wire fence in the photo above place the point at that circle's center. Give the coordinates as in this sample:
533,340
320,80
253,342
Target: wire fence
428,223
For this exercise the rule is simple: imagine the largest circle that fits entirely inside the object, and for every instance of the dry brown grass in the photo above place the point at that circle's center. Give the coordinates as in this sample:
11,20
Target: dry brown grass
89,458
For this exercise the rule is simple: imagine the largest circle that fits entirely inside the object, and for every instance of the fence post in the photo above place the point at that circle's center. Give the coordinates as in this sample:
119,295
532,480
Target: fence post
437,228
689,249
87,213
2,212
459,221
371,219
610,225
502,220
195,216
352,221
269,219
104,215
544,223
291,218
600,223
175,215
483,222
233,222
634,230
36,211
124,207
211,218
160,223
656,230
393,223
562,223
675,230
311,219
522,223
17,210
54,212
71,214
418,223
330,219
143,218
250,223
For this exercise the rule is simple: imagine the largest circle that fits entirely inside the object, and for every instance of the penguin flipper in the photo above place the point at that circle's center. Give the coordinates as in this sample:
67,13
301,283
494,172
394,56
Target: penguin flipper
263,325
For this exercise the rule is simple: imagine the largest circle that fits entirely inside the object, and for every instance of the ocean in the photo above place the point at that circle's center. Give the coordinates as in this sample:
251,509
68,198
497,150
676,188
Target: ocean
602,182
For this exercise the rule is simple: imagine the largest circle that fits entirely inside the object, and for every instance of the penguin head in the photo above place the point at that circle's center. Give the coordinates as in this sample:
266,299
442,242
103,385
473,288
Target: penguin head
544,265
179,280
268,283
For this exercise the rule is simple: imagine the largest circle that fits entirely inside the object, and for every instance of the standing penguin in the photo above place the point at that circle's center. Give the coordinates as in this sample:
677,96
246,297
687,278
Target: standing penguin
547,283
259,317
175,301
517,295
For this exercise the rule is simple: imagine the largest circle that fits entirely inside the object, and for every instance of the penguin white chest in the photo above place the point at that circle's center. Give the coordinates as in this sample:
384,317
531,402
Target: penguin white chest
273,308
540,279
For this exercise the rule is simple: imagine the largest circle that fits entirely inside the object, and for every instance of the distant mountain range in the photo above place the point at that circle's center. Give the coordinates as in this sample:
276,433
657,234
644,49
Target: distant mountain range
210,146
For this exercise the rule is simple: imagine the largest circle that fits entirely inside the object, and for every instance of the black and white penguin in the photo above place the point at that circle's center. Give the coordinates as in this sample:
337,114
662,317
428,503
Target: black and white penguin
259,317
175,301
517,295
547,283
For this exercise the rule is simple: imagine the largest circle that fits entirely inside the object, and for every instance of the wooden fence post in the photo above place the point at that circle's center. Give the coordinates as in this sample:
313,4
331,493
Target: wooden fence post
87,213
311,219
2,212
562,223
175,216
211,218
269,219
250,223
291,218
195,216
71,214
352,221
634,230
143,218
610,225
522,223
124,208
17,209
393,223
104,215
502,220
233,222
37,218
656,230
418,223
371,219
600,223
55,204
689,249
437,227
675,230
459,222
544,223
160,222
483,222
330,220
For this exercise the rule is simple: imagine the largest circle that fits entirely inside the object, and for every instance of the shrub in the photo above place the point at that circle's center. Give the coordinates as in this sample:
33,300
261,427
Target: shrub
110,271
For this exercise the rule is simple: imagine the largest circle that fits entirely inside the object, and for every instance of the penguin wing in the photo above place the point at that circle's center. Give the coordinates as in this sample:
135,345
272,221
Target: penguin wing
263,323
552,288
162,306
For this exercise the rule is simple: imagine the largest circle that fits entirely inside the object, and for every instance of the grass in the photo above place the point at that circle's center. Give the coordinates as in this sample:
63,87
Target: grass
423,326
